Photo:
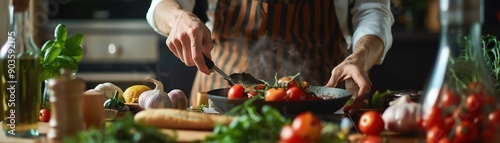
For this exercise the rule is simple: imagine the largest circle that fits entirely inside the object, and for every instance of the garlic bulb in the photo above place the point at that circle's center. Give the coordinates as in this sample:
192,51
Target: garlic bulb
178,99
401,116
109,89
156,98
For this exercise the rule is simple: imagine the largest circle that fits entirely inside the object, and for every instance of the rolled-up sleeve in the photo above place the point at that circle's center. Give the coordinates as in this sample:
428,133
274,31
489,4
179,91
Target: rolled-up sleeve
373,17
187,5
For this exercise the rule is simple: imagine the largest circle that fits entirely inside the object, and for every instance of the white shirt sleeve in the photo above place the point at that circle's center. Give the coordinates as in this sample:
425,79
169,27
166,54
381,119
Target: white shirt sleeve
373,17
187,5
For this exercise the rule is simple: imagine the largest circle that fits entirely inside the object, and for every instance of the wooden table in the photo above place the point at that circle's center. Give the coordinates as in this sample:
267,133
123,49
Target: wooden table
187,136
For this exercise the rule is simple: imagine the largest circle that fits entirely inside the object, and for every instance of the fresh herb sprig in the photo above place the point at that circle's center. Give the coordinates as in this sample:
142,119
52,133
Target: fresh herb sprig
124,130
491,52
60,52
250,125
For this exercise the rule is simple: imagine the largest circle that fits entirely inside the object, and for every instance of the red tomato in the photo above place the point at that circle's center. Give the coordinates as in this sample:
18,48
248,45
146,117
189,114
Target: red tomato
434,118
466,131
494,118
435,134
236,91
260,86
44,115
489,101
475,87
275,94
371,123
472,104
445,139
288,135
449,98
307,126
488,135
295,94
287,82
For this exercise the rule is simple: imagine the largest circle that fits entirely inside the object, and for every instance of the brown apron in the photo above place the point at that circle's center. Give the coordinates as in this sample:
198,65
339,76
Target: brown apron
265,37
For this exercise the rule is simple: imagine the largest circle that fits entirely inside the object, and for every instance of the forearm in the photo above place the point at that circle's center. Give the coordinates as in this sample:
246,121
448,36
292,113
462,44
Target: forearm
367,52
166,14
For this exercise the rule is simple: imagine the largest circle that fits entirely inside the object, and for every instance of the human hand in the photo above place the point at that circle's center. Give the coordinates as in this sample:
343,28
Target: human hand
356,81
189,40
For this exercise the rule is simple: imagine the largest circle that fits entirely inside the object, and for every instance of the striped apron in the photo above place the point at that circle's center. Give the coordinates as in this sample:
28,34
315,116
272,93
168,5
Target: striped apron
268,37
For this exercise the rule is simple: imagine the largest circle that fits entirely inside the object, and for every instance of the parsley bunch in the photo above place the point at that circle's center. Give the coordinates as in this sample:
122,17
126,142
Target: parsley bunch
60,52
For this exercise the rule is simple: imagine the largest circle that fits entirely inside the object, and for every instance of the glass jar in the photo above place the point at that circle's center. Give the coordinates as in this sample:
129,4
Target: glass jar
460,95
20,70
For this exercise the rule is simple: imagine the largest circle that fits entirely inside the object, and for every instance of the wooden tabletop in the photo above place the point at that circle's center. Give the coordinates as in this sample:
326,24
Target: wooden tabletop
188,136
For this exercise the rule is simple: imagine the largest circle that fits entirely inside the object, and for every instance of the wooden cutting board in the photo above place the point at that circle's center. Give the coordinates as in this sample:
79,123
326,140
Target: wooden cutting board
182,135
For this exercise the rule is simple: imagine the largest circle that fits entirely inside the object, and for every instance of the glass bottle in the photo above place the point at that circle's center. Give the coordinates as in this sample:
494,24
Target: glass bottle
19,64
460,94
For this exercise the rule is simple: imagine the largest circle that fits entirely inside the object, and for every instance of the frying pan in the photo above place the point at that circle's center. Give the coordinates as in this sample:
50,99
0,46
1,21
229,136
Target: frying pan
327,106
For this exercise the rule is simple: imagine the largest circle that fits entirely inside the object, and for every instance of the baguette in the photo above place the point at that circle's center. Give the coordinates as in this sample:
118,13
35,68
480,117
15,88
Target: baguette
180,119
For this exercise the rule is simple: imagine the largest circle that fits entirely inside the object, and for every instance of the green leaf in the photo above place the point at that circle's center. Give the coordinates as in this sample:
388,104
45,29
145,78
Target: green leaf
67,62
75,41
47,44
60,32
76,53
51,54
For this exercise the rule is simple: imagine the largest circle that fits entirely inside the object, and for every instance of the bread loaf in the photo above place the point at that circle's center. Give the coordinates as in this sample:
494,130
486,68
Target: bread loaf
180,119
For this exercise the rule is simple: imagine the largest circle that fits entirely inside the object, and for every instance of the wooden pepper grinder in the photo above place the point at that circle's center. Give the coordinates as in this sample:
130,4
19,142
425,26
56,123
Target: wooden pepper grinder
65,98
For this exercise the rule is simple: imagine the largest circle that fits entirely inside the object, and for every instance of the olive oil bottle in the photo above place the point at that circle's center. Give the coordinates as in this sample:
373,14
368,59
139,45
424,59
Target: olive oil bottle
20,70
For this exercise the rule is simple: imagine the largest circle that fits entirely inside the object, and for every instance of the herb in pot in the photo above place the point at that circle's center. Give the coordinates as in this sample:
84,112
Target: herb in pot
60,52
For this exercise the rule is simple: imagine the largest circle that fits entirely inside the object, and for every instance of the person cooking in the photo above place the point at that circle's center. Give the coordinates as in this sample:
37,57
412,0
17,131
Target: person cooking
328,41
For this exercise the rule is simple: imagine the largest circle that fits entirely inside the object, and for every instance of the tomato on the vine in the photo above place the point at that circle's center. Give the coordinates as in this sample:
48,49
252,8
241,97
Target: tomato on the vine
494,117
275,94
44,115
295,94
371,123
472,104
236,91
449,98
307,126
435,134
475,87
449,122
289,135
287,82
434,118
466,131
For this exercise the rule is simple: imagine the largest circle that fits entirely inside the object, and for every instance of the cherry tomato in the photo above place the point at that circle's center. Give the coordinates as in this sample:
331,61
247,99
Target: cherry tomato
44,115
275,94
435,134
236,91
449,98
488,101
445,139
295,94
466,131
488,135
287,82
463,114
307,126
305,85
371,123
260,86
434,118
472,104
475,87
288,135
494,118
